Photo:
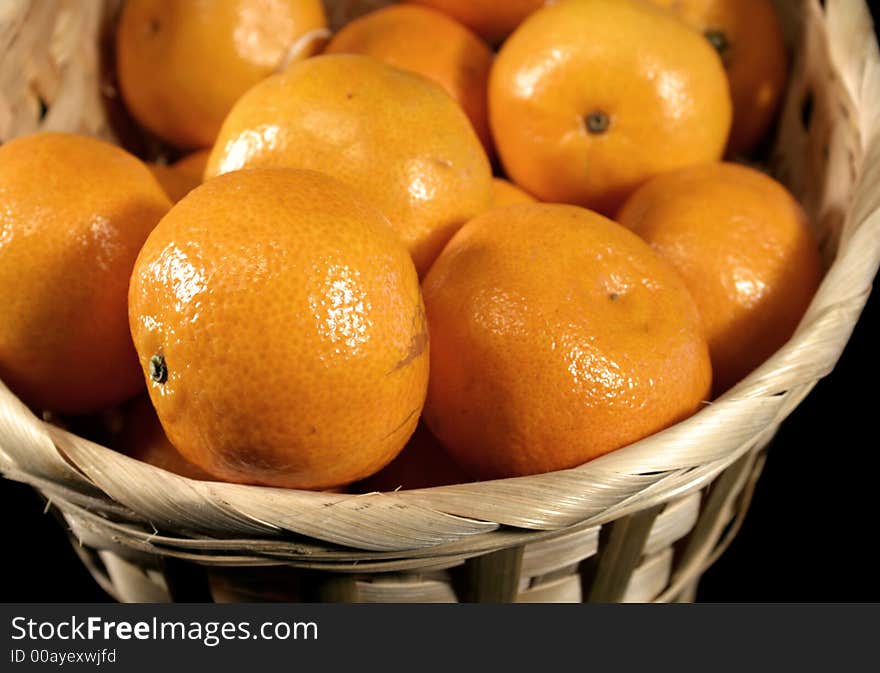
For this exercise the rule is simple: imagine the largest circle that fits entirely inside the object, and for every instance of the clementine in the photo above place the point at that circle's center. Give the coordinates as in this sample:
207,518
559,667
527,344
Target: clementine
193,164
505,193
143,438
430,43
395,137
748,36
556,336
743,246
281,331
181,177
75,212
181,65
590,98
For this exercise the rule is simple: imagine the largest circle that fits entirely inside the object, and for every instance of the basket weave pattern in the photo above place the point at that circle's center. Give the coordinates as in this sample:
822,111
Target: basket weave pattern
640,523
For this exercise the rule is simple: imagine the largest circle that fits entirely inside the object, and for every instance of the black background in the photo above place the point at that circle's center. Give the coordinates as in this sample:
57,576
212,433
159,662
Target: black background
809,535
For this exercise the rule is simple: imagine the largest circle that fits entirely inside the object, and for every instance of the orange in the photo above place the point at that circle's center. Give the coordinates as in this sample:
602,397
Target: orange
423,463
143,438
281,331
430,43
506,193
743,246
492,19
75,212
397,138
556,336
590,98
175,184
749,38
180,178
181,65
193,165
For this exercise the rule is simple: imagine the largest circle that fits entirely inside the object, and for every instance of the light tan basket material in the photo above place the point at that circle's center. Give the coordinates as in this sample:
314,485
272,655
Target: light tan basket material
531,538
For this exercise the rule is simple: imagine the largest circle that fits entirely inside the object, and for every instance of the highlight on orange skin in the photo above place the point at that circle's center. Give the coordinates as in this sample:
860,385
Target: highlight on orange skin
395,137
744,248
75,212
749,38
581,116
271,290
556,336
181,65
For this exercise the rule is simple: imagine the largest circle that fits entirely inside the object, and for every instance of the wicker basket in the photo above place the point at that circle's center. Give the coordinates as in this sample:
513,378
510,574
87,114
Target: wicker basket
639,524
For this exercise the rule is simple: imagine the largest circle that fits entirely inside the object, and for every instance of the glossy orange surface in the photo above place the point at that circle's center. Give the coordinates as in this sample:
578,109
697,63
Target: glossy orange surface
743,246
753,50
182,65
556,336
395,137
74,212
288,327
589,98
494,20
431,44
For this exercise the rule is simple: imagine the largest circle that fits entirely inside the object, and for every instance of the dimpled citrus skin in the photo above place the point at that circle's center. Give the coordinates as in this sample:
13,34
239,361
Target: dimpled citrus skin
743,246
397,138
506,193
652,89
181,177
492,19
754,56
291,327
556,336
74,212
429,43
181,65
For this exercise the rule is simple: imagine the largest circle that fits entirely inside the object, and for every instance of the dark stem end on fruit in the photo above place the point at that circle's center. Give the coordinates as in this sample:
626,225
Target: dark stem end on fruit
597,122
158,369
718,39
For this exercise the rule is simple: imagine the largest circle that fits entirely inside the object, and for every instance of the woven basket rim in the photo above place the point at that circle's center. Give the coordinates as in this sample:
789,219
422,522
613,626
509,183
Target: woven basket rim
668,464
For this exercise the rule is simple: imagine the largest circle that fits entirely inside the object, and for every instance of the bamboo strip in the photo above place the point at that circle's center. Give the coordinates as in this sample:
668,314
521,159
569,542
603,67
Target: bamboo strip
492,578
620,555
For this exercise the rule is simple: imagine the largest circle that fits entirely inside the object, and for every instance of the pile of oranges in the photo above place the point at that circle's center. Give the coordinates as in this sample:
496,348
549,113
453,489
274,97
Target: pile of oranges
455,240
